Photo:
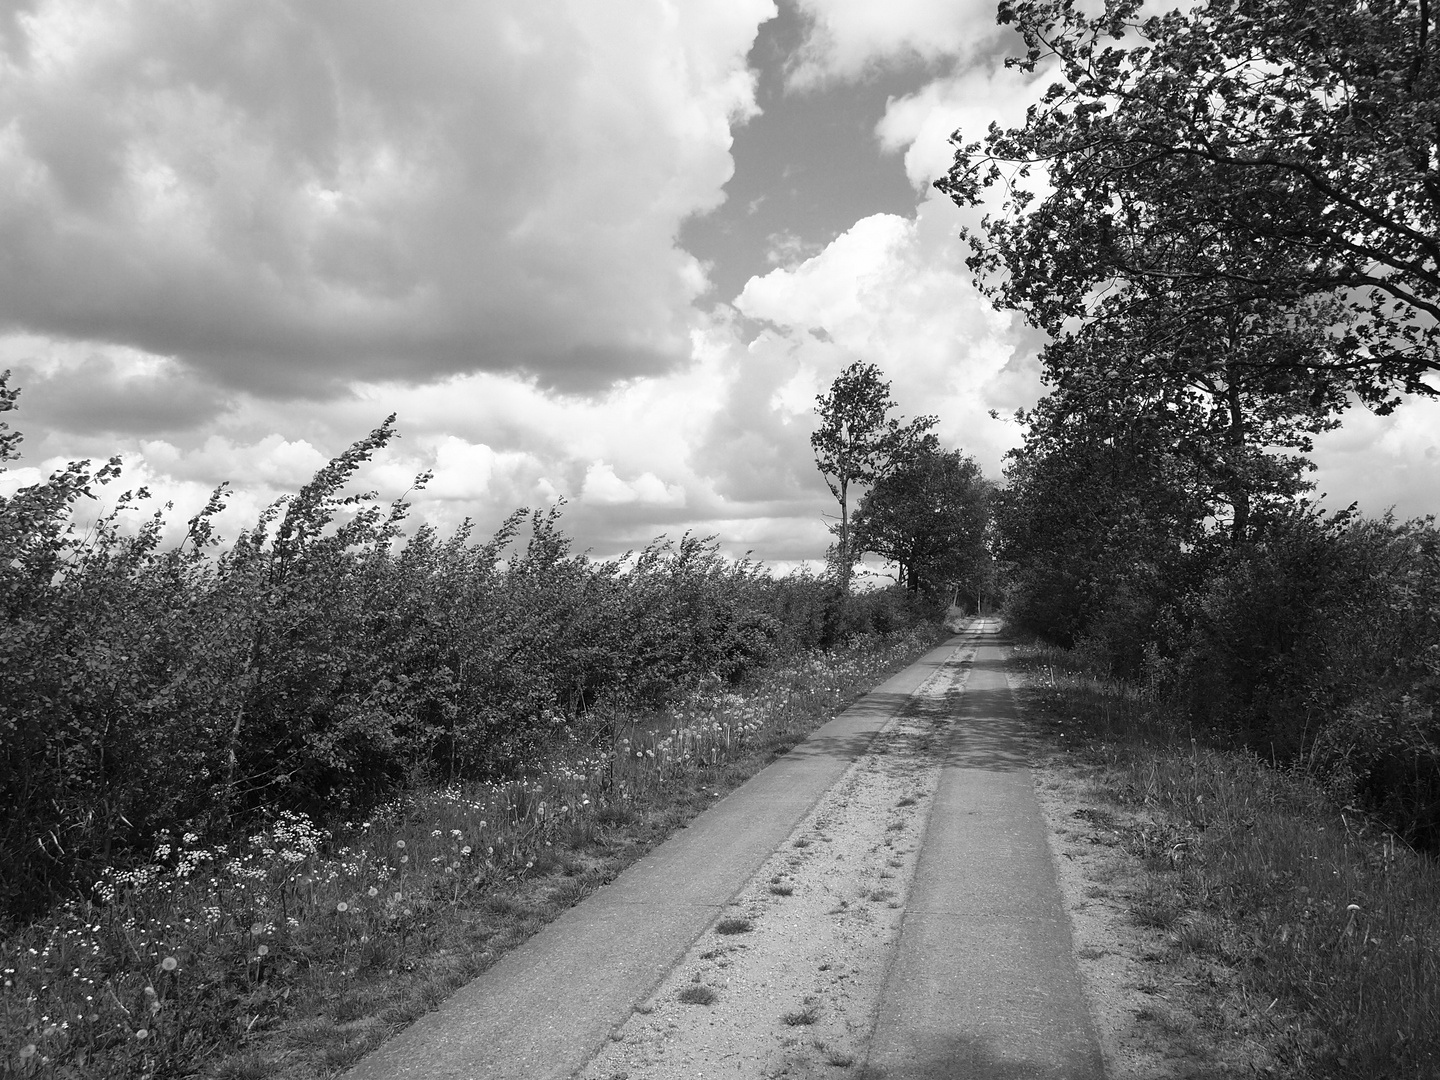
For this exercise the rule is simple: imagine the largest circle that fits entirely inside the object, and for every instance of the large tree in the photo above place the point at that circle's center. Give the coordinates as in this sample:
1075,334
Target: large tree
928,516
1241,151
857,443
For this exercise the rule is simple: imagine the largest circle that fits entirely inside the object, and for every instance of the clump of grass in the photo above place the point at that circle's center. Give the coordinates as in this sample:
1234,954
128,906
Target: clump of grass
734,924
834,1056
908,800
698,994
804,1016
782,890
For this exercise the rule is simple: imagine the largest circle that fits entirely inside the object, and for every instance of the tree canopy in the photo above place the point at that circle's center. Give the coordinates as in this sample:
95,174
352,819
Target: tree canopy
928,516
1241,152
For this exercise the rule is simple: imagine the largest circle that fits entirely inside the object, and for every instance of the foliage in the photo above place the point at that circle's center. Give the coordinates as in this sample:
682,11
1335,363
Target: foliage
858,442
291,949
322,660
1319,908
1240,152
928,515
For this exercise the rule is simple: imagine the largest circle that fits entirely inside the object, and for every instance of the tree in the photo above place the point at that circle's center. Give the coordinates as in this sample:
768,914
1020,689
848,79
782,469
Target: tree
859,442
1177,146
1233,391
928,516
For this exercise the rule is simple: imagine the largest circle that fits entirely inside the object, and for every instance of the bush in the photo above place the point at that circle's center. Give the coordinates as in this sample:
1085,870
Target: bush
321,660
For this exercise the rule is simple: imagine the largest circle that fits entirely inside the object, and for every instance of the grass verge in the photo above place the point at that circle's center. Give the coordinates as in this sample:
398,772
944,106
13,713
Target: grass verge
296,953
1326,927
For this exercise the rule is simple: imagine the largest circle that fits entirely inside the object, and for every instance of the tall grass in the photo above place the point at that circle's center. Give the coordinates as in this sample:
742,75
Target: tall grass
293,950
1324,910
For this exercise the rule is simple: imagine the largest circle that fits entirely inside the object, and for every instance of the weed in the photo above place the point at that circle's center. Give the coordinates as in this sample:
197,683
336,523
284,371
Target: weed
804,1016
734,924
696,994
782,890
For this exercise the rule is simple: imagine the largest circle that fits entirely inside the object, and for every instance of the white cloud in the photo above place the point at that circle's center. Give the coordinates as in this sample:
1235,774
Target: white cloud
848,37
603,488
1383,461
287,194
895,292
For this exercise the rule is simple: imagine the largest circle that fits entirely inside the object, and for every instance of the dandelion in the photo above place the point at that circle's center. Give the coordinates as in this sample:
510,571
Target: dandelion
28,1051
169,963
342,907
465,851
400,843
373,892
142,1034
263,950
257,929
404,859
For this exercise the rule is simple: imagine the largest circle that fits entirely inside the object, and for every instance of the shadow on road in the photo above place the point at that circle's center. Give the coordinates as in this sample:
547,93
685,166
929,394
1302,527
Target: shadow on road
952,1055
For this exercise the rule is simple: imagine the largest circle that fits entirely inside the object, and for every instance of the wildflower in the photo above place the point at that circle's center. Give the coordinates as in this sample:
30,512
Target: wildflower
342,907
404,859
465,851
257,929
400,843
169,963
27,1051
373,892
149,991
435,833
142,1034
263,950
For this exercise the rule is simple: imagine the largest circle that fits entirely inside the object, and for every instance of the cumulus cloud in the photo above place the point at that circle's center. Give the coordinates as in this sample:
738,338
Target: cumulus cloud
848,38
1383,462
287,195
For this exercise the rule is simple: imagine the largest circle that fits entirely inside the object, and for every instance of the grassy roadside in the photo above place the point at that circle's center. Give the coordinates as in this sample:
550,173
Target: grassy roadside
1309,937
296,953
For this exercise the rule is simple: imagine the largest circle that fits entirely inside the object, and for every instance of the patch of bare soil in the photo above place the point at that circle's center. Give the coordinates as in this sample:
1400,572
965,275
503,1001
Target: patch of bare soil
1155,965
787,981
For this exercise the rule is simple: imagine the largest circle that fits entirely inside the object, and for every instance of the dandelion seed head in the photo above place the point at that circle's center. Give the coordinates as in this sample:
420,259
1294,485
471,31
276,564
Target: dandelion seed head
342,906
169,963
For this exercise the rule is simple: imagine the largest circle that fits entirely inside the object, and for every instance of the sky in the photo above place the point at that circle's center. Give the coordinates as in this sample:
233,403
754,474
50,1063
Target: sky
608,253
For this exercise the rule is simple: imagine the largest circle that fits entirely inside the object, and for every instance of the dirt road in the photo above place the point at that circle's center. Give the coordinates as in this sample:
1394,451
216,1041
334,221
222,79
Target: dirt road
880,902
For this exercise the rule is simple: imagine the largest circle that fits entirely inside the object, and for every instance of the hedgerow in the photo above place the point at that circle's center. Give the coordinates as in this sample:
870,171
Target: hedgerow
325,658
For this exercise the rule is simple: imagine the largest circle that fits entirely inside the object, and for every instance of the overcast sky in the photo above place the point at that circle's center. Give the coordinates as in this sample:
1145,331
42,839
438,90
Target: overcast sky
605,251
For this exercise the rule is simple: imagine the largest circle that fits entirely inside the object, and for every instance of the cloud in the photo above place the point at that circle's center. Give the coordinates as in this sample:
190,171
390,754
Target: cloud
289,195
118,392
1383,461
849,38
603,488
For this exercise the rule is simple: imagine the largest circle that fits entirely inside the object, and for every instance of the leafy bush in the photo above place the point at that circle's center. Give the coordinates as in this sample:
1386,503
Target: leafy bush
322,659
